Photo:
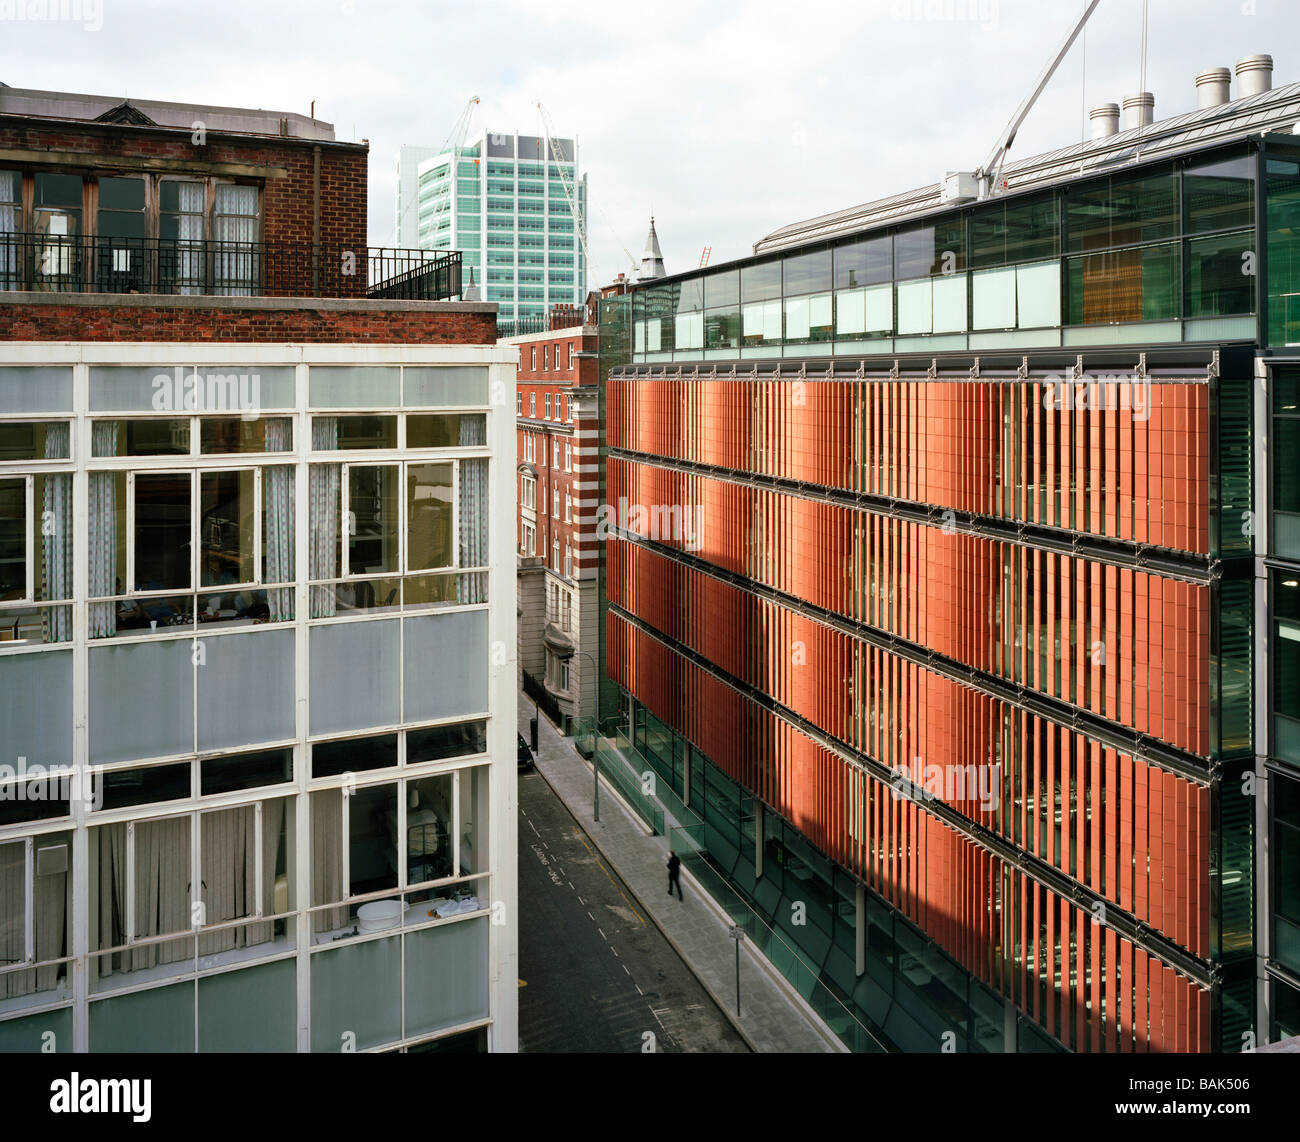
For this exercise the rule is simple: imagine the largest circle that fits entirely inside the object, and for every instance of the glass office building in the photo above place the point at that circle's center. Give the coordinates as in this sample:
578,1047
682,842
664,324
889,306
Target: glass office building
250,629
976,650
502,201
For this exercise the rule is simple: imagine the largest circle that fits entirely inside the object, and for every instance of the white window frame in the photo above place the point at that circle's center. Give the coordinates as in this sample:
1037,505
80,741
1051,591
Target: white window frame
29,555
570,354
403,521
568,508
568,456
547,406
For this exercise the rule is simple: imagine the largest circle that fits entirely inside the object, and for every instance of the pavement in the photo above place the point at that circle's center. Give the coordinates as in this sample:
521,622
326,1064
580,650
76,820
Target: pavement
773,1016
595,973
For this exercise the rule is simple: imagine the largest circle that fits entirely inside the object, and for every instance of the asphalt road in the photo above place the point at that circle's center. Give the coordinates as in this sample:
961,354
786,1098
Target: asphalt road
596,974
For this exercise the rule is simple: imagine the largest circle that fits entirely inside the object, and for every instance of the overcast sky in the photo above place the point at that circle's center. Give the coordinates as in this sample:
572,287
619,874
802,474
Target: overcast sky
729,120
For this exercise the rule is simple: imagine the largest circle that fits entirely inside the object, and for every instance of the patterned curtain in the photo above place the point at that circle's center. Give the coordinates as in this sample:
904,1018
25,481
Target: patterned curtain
103,534
324,491
235,231
277,521
190,270
473,513
10,186
56,532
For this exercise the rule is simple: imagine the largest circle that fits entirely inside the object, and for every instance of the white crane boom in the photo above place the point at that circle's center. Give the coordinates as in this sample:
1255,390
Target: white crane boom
568,189
992,168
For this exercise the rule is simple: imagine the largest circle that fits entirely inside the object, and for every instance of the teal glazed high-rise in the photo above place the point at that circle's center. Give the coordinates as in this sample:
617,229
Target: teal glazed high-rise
509,206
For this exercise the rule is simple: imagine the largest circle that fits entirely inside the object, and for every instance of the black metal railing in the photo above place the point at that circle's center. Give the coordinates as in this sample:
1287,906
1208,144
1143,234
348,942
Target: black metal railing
520,326
54,264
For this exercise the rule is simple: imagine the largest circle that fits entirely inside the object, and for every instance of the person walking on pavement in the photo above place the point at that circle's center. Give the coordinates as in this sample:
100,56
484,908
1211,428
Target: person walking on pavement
674,874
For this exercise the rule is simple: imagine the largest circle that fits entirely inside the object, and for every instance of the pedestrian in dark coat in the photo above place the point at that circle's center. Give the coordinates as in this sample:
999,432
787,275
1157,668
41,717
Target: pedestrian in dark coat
674,874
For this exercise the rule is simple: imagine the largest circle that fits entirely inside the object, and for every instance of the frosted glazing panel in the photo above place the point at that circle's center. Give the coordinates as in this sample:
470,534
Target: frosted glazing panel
451,385
850,311
950,304
37,388
690,331
914,307
446,665
1038,288
245,689
356,995
251,1010
994,299
353,675
36,708
360,386
161,1019
446,976
20,1036
141,700
880,309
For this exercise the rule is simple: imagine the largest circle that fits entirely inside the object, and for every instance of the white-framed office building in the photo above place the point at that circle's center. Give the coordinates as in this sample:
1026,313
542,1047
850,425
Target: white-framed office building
269,629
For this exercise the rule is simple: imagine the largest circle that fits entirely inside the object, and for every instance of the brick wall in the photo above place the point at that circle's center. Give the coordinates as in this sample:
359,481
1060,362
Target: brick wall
111,322
287,201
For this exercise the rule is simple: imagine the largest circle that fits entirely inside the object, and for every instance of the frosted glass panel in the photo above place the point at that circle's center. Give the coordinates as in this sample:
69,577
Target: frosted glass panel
914,307
1039,290
880,309
141,700
357,989
796,317
446,976
690,331
950,304
36,708
19,1036
449,386
246,689
361,386
251,1010
128,388
353,676
158,1020
446,665
850,311
35,389
994,299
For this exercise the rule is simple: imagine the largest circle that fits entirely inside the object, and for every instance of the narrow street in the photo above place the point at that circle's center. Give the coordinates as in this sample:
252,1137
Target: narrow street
596,974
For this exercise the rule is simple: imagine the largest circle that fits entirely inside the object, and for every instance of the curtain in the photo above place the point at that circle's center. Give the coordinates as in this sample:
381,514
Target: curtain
272,824
277,521
51,899
163,890
190,270
103,534
56,567
235,233
228,867
112,896
327,859
473,513
324,490
13,920
10,187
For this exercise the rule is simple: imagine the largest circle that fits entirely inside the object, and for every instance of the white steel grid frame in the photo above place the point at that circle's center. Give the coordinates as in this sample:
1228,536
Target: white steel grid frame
500,365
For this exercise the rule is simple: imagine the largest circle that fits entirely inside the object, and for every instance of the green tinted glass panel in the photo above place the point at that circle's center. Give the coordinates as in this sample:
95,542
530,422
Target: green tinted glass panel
1220,275
1282,187
864,263
1219,196
1121,210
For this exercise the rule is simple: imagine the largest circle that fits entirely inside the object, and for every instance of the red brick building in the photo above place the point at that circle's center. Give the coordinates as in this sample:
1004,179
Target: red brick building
557,462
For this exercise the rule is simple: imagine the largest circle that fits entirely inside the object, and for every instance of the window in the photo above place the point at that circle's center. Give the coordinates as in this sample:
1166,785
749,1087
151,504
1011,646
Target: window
568,561
555,554
528,491
555,503
570,354
519,404
548,406
562,674
34,880
532,405
568,508
555,452
534,364
546,357
568,456
529,543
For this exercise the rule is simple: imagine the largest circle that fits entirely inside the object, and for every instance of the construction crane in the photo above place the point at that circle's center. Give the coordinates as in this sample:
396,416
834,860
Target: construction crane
454,141
988,176
578,225
704,257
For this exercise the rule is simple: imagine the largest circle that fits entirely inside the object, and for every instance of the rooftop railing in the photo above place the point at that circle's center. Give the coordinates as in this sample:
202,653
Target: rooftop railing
45,263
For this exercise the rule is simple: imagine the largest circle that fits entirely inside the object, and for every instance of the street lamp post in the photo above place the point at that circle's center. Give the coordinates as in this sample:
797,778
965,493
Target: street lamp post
595,724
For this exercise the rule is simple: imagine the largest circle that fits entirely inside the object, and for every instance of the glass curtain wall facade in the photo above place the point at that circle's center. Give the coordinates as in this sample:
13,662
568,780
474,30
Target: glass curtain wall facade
975,634
249,799
507,210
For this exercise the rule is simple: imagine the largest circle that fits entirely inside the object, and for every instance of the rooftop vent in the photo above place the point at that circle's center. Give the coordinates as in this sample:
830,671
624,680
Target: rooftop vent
1212,87
1105,120
1254,75
1139,110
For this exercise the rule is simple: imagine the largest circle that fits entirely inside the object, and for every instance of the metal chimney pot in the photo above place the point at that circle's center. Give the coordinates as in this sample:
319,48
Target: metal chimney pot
1105,120
1254,75
1139,110
1212,87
